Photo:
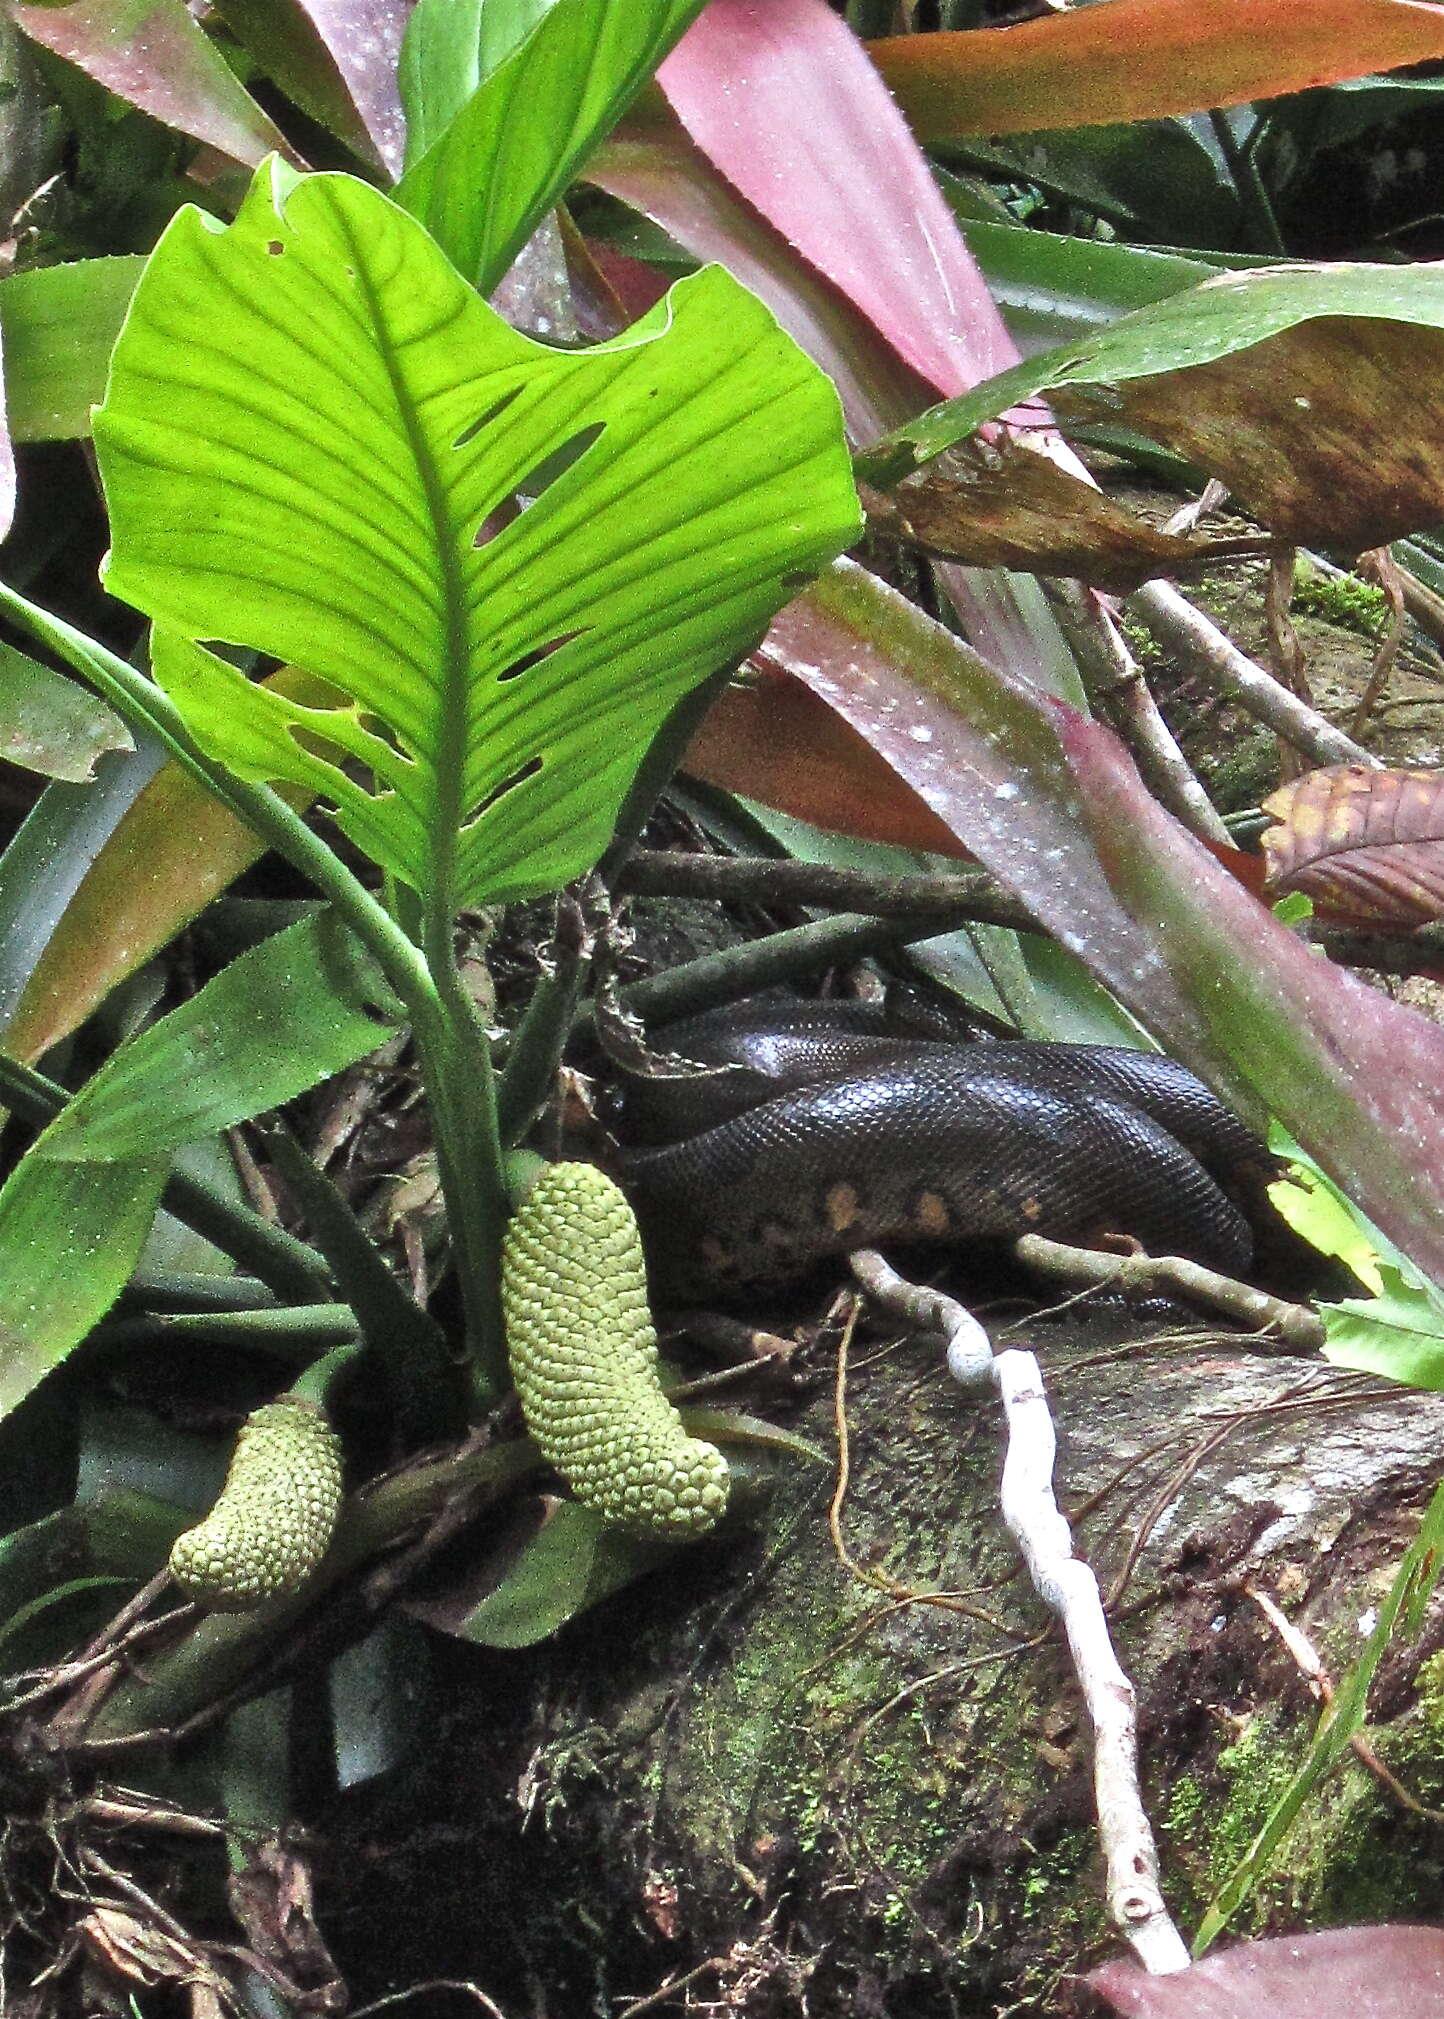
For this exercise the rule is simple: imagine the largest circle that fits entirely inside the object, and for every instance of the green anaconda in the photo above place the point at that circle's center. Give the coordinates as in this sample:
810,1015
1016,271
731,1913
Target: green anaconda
817,1130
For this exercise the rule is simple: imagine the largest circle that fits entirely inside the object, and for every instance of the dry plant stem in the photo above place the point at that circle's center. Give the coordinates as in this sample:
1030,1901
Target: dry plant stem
1117,689
1187,517
1070,1591
1295,1327
1203,648
1311,1667
777,881
1386,572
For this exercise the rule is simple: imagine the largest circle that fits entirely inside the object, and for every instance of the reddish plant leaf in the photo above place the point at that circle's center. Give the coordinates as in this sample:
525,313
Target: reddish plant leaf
981,750
337,60
1353,1075
746,80
1366,846
651,164
1146,59
152,54
777,742
1367,1973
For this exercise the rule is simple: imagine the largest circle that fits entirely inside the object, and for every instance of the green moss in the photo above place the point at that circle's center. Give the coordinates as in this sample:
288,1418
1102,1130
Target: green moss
1342,600
1246,775
1141,642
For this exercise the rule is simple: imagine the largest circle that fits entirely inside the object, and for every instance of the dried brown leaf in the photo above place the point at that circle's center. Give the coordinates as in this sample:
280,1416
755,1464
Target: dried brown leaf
1367,846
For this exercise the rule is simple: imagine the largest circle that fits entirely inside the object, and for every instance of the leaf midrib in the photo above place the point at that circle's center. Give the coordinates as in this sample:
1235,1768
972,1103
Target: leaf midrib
448,756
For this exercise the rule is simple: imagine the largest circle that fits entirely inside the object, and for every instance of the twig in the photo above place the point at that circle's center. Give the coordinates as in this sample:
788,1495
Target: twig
777,880
1193,638
1070,1591
1114,685
462,1984
1386,572
1294,1326
664,1991
1310,1664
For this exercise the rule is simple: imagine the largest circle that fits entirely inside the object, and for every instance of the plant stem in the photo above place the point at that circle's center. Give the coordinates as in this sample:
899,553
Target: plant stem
1253,197
447,1031
289,1333
455,1053
802,951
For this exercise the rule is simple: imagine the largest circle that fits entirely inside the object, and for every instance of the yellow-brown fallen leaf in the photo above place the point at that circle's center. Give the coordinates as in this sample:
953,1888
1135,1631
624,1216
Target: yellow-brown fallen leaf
1367,846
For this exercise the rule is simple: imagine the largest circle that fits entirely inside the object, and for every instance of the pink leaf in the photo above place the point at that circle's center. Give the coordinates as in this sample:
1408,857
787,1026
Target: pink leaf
1364,1973
337,59
780,96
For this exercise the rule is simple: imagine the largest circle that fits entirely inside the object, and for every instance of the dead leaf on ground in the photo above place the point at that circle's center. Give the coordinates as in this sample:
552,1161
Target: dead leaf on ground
1367,846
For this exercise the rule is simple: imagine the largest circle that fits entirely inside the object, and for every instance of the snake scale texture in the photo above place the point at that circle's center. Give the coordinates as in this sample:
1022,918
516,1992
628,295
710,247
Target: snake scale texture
815,1129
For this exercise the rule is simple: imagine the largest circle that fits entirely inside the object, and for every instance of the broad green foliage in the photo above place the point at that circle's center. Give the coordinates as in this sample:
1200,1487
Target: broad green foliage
501,158
310,420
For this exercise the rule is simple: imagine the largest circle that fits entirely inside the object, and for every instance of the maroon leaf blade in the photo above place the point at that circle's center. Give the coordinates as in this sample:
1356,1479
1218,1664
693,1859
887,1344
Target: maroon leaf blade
858,200
153,54
1369,1973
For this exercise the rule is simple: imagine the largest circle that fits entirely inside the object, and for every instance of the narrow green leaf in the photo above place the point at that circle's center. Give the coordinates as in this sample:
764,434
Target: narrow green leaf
310,419
69,1238
451,48
572,1562
59,325
302,1005
50,724
512,148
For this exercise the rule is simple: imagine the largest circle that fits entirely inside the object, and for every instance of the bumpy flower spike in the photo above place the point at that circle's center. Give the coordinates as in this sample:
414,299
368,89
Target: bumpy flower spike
584,1359
275,1516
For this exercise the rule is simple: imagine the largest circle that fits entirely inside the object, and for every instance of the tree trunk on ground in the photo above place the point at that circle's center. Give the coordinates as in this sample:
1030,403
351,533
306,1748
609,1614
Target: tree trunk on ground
840,1803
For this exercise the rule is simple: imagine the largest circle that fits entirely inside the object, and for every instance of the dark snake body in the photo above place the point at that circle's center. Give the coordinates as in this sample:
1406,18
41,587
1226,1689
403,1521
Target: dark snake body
835,1134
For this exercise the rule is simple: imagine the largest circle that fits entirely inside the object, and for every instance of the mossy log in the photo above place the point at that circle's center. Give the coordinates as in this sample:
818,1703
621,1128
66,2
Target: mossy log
841,1803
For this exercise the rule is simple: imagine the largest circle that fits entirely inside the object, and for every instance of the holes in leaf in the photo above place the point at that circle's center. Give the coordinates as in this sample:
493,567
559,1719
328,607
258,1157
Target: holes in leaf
530,659
493,412
275,248
518,777
556,465
538,481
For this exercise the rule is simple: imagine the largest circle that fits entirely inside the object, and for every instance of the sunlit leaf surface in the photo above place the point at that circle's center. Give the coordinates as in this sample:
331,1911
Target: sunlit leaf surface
311,418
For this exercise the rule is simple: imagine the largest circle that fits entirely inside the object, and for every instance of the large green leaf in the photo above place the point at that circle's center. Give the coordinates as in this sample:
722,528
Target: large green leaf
310,420
59,324
509,152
